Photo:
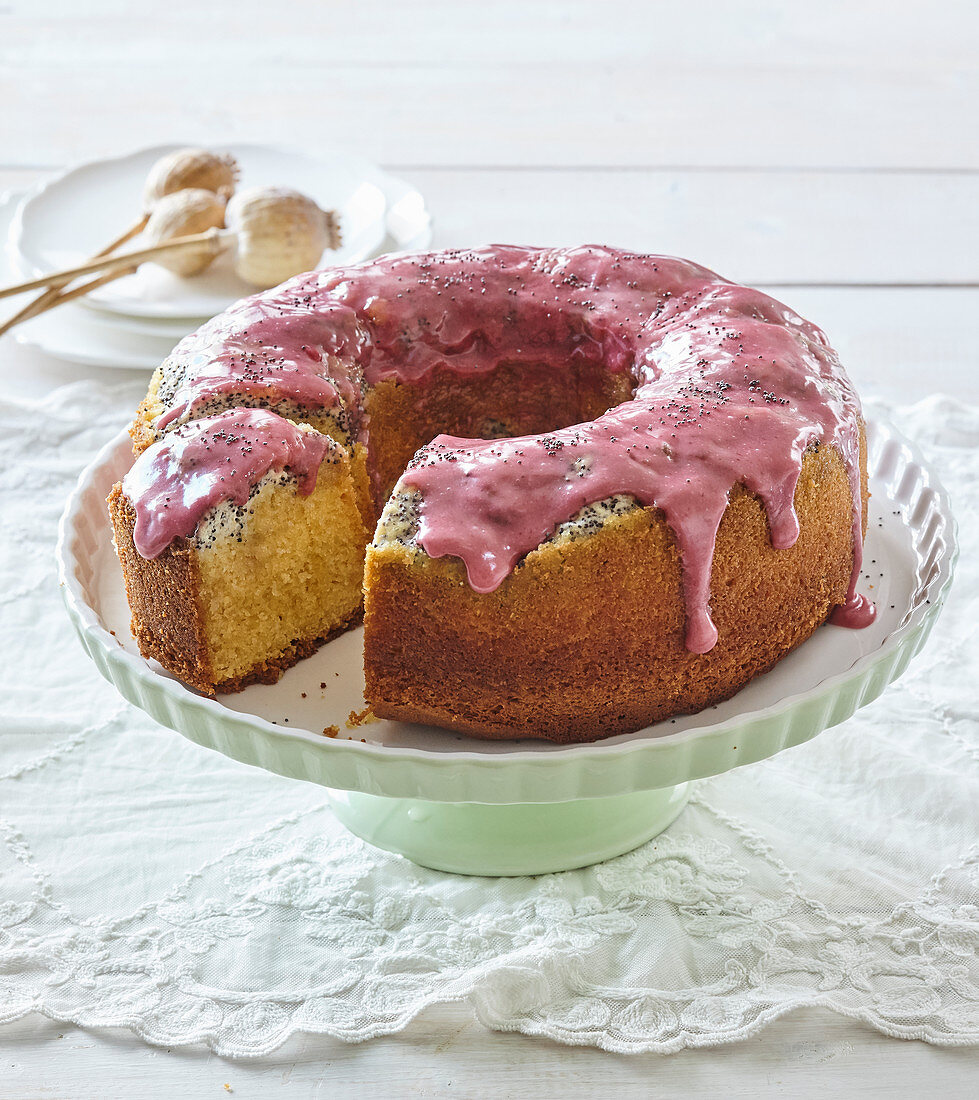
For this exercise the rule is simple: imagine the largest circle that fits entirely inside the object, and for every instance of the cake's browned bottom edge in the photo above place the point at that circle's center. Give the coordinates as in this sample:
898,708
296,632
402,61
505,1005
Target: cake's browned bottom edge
573,733
269,671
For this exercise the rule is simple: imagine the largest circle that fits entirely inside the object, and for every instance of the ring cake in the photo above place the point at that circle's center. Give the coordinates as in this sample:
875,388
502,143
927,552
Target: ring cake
596,488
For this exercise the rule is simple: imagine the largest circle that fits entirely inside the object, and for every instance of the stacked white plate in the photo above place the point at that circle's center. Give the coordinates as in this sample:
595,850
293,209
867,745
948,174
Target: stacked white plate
134,321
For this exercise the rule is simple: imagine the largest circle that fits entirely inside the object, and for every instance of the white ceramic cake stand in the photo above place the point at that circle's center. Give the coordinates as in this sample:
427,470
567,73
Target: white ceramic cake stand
461,804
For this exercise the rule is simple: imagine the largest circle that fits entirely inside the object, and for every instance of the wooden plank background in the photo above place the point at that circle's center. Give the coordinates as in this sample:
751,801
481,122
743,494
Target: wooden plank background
884,84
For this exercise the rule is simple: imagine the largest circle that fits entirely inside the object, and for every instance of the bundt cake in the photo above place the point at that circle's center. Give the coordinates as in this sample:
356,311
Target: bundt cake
610,488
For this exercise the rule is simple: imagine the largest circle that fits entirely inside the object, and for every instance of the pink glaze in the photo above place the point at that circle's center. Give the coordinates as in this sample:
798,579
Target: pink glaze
856,613
732,386
199,465
274,347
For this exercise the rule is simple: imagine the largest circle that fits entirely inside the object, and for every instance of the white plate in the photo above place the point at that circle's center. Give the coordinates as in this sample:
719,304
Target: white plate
93,338
66,220
143,326
910,553
71,333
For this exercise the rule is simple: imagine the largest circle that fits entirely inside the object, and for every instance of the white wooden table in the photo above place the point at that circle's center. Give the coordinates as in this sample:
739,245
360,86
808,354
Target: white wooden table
827,153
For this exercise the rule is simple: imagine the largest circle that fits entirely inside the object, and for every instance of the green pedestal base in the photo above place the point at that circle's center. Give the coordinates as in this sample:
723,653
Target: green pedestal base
473,838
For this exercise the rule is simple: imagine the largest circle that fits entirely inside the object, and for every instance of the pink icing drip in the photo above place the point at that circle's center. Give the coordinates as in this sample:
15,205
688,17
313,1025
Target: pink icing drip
399,318
176,481
491,502
856,613
273,346
732,387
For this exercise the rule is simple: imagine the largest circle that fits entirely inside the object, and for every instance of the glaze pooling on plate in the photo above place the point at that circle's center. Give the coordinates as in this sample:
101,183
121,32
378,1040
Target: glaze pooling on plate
731,387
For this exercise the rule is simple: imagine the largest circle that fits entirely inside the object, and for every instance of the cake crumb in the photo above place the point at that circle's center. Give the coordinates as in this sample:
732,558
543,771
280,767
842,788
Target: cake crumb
331,731
360,718
303,694
322,684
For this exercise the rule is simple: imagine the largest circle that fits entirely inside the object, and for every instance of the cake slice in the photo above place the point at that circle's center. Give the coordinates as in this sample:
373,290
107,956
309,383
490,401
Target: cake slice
242,547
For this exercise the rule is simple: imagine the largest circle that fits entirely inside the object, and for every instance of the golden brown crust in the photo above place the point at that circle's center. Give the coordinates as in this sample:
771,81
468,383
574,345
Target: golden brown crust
141,430
164,600
586,639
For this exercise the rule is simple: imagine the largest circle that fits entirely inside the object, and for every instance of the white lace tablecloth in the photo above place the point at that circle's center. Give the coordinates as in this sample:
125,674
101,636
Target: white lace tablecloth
149,884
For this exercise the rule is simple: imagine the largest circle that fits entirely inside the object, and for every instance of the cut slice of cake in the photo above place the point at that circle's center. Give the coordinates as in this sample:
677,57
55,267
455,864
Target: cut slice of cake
242,547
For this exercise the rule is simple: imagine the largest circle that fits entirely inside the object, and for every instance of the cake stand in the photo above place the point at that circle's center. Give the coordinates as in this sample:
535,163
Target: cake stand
457,803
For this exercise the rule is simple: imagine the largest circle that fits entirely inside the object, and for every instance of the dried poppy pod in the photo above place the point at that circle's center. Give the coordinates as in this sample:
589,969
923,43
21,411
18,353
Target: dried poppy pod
189,168
280,233
180,214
